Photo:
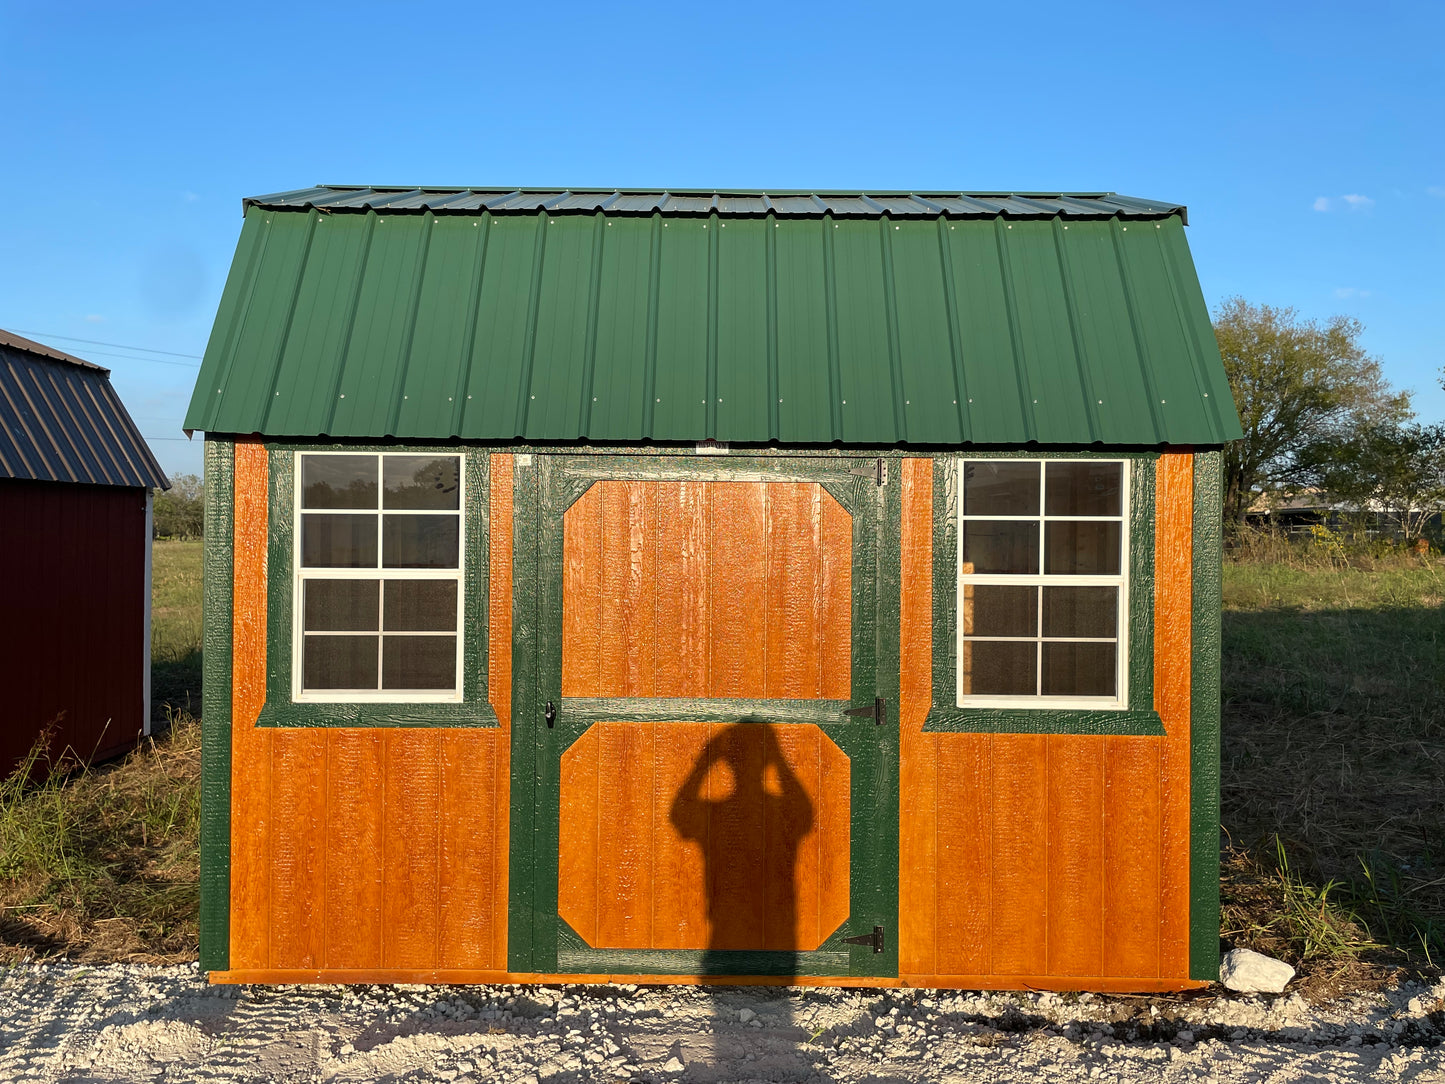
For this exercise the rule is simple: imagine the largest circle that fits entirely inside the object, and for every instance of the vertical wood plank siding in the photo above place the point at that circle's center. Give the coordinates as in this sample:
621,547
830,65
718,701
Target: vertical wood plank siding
683,589
364,849
1049,860
1034,858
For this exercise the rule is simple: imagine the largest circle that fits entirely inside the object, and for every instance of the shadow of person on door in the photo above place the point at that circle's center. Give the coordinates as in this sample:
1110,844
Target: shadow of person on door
748,812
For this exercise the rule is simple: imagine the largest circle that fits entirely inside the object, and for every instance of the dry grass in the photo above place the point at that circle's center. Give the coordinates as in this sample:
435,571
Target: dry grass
1334,759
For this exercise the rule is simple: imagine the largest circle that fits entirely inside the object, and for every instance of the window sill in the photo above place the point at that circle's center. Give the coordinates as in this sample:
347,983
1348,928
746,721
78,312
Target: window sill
377,714
953,720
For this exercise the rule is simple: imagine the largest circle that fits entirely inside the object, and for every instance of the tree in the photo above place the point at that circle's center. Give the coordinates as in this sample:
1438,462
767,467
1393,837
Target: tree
1398,470
179,512
1296,383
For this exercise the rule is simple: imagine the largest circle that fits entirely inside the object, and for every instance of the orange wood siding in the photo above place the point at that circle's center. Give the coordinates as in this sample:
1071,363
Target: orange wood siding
747,853
371,848
707,589
1046,859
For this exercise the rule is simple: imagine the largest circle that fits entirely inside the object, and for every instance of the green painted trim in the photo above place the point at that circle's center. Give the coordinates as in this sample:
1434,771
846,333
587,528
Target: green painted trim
1204,722
474,709
721,709
217,633
542,492
524,828
576,956
945,716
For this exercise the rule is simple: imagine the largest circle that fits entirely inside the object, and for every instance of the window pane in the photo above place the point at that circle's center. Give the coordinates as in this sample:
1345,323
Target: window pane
1000,487
1081,611
339,662
419,662
342,605
338,481
1000,546
338,541
1082,549
420,541
1082,487
421,481
1079,669
990,610
421,605
999,668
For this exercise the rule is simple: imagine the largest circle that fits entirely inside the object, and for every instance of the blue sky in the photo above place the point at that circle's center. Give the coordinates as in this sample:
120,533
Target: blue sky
1307,140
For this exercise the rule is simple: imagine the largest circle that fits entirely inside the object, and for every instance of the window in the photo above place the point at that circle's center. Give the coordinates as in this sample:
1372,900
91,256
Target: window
378,602
1042,583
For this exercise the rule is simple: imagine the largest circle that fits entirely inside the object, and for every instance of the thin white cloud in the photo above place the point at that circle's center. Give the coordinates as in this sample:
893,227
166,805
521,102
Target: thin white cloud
1347,293
1436,190
1353,200
190,197
94,318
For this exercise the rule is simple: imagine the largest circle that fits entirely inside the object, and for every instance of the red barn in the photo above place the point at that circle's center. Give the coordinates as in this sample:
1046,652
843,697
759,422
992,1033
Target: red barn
75,530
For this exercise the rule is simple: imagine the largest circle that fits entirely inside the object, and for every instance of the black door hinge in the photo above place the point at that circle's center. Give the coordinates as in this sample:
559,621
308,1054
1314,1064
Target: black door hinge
550,713
875,939
879,711
878,472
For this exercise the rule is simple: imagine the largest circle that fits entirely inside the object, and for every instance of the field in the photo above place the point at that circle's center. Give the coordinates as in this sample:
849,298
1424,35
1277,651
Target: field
1333,781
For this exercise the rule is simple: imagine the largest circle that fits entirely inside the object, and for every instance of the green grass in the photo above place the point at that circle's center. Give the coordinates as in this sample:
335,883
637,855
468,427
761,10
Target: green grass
1333,773
175,627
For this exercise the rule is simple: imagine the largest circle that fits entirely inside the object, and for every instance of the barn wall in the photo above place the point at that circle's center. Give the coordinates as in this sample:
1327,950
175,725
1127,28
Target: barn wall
1040,859
1026,859
373,848
73,604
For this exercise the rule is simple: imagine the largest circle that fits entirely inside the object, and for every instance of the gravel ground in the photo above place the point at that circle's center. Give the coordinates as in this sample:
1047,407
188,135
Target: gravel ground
66,1022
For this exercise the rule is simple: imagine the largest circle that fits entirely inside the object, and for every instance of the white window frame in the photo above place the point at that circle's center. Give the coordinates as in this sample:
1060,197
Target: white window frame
299,575
1117,702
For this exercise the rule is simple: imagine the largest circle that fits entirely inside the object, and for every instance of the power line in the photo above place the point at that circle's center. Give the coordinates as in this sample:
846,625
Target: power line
98,342
152,361
186,439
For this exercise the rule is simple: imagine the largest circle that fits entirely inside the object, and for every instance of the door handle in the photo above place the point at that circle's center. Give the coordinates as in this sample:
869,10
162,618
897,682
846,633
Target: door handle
550,713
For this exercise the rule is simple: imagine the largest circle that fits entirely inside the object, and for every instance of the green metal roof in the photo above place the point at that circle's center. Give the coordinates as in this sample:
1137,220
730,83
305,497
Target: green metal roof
575,323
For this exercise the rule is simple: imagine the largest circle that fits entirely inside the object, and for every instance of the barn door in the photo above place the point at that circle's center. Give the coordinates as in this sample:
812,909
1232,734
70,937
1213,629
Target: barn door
705,734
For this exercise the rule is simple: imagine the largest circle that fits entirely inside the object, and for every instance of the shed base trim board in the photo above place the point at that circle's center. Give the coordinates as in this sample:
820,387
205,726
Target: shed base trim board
465,976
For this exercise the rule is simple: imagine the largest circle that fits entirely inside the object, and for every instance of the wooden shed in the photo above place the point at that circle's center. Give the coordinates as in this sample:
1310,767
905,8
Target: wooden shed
702,586
75,544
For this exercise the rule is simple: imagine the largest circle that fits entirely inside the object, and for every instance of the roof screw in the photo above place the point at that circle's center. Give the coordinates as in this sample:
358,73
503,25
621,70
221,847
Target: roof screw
468,396
1206,395
1162,401
534,397
1101,402
970,400
1126,229
657,400
343,395
406,396
594,398
845,402
1035,400
780,400
449,398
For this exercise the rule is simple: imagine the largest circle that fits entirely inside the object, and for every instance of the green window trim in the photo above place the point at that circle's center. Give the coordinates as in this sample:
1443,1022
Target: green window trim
945,716
280,710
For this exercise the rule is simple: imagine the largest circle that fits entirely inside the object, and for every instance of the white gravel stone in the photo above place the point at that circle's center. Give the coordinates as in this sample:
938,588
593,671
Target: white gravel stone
1248,972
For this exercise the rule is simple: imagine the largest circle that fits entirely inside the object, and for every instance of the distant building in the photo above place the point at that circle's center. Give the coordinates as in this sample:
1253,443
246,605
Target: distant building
75,528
